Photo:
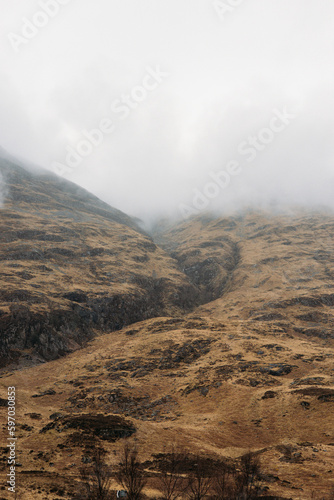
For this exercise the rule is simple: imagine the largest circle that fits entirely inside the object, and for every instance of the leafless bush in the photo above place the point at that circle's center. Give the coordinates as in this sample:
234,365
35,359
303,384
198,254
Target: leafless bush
248,479
224,482
240,481
171,479
199,480
96,478
130,473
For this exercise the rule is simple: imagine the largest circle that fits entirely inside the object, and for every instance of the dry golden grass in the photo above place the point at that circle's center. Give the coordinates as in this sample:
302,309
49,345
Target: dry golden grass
227,421
252,369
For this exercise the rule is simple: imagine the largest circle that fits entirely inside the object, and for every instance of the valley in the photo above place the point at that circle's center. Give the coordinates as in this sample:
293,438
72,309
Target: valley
214,334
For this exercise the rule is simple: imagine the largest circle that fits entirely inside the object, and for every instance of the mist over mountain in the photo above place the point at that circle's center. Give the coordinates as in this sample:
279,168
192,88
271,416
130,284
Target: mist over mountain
166,249
59,250
175,113
214,333
153,172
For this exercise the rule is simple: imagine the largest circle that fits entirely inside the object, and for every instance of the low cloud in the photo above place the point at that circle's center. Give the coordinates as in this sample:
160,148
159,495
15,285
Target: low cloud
225,79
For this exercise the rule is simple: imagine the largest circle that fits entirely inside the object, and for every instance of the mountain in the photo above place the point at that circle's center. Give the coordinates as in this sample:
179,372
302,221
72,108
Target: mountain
215,334
73,267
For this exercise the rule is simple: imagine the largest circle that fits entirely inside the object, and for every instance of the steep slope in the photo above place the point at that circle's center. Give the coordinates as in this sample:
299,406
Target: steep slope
206,255
251,369
284,277
71,267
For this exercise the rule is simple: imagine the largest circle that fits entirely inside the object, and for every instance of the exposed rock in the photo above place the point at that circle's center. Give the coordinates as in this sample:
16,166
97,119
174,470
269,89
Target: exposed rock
323,394
277,369
54,416
269,395
269,317
311,381
109,427
34,416
315,332
49,392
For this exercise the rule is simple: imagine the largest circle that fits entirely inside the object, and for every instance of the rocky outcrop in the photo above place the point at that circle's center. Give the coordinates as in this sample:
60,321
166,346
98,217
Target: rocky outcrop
105,427
73,267
209,263
57,332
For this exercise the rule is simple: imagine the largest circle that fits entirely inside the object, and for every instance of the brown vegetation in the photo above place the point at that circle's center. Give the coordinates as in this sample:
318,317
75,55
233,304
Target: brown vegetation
143,361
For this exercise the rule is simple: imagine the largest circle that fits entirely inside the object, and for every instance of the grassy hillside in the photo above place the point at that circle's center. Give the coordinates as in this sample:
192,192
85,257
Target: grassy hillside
217,336
73,267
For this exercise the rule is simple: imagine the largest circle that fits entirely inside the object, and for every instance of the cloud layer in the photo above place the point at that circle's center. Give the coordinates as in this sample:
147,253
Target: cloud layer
180,91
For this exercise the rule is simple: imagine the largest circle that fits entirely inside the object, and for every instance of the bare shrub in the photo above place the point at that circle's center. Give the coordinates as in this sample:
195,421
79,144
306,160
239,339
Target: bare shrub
248,479
96,478
224,482
130,473
171,479
199,480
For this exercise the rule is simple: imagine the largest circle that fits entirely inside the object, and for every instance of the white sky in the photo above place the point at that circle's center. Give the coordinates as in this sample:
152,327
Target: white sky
226,75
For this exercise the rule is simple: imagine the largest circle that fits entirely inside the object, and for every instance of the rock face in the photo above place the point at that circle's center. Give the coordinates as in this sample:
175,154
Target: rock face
109,428
208,263
73,267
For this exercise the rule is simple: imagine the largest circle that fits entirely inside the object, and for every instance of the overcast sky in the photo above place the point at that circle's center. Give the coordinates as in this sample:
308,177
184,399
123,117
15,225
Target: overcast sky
200,104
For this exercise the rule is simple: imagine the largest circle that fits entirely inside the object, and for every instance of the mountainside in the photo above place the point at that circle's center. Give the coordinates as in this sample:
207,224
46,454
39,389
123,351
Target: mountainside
217,336
72,267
